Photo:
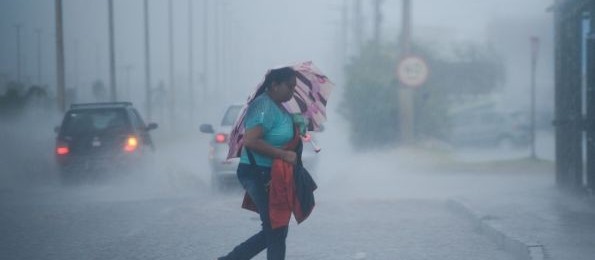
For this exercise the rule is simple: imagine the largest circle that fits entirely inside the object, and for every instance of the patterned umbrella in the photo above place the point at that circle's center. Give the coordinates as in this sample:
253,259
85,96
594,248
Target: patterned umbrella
309,99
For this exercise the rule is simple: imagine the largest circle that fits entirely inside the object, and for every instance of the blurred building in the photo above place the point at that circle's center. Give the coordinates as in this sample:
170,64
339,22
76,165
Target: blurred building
574,21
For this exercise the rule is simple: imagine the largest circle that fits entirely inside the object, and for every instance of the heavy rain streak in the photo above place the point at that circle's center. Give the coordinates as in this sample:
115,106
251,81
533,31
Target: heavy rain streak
439,132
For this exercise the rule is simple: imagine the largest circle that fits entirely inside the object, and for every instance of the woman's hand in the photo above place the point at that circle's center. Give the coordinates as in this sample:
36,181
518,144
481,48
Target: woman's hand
289,156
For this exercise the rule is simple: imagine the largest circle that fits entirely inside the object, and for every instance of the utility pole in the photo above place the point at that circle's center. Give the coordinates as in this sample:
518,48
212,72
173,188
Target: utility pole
148,92
18,29
190,60
127,70
205,50
38,32
112,55
172,92
344,33
76,64
358,33
534,52
225,49
406,105
216,81
406,32
377,21
60,57
98,61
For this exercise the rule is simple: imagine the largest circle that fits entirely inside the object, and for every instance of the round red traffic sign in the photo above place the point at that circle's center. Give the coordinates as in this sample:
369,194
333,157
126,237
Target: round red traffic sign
412,71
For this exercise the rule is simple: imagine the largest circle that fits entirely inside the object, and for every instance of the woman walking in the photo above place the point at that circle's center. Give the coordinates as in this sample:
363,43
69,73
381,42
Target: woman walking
269,128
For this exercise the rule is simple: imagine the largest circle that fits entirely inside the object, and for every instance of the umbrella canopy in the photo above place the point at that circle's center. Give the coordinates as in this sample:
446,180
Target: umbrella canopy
309,99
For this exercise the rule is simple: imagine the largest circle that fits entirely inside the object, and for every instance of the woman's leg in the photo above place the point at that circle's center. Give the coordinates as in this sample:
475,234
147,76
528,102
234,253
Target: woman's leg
276,243
274,238
254,183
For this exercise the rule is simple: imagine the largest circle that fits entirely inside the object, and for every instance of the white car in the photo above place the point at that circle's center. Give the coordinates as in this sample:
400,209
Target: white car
223,170
489,128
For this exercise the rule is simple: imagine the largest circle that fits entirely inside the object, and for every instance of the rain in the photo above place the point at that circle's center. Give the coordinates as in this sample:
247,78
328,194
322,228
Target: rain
443,137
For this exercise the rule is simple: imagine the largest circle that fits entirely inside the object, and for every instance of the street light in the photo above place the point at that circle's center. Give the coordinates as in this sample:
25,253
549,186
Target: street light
172,92
148,92
38,32
534,51
112,55
18,28
190,59
60,56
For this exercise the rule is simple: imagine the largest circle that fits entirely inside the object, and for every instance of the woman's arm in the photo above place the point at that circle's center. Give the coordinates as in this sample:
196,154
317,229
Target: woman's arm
253,141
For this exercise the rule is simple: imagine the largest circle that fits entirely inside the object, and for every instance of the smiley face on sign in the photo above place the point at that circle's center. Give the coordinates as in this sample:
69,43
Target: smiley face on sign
412,71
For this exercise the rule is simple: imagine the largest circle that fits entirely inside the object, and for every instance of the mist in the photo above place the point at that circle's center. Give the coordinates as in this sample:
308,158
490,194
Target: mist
233,44
243,40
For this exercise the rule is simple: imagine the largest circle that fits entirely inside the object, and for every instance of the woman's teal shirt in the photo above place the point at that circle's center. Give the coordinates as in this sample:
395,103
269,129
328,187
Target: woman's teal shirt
277,126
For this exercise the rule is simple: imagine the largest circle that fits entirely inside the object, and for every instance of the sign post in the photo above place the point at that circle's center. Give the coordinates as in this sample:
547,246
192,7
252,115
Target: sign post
412,72
534,51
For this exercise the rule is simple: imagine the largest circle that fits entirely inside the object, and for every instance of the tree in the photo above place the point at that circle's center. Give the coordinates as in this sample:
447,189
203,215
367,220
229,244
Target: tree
370,101
14,98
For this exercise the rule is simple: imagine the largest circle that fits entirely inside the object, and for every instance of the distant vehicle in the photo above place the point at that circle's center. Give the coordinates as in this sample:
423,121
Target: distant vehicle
489,128
223,170
96,137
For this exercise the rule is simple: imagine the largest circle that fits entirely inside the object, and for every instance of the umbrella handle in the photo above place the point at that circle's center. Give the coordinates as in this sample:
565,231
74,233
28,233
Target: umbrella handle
314,146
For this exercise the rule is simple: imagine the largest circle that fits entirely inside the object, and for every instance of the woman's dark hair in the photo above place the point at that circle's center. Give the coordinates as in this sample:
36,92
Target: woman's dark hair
277,75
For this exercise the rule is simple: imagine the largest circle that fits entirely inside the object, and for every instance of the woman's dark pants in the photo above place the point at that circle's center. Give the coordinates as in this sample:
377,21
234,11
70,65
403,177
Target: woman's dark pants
254,180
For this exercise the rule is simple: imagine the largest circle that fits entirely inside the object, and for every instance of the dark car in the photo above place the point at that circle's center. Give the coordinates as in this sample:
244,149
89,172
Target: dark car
101,137
223,170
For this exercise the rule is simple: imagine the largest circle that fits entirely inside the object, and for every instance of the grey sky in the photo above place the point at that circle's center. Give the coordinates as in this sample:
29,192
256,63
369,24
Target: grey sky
261,34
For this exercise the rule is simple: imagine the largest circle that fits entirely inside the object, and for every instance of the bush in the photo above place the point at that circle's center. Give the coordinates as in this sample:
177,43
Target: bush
370,102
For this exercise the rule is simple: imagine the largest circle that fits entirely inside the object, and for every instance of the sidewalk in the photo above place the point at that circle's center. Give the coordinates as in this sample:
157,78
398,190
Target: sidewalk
511,199
524,212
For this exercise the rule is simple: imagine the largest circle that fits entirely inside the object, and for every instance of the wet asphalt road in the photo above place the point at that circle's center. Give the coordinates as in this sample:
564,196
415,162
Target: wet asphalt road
368,207
98,223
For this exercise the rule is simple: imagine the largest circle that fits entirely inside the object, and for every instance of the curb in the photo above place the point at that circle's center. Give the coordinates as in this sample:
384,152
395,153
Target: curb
522,250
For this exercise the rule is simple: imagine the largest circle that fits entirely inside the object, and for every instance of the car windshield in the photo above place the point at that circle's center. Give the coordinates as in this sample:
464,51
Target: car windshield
94,121
230,115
